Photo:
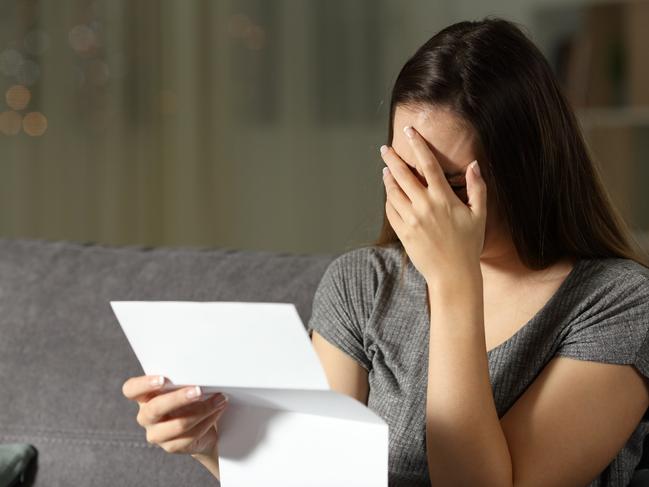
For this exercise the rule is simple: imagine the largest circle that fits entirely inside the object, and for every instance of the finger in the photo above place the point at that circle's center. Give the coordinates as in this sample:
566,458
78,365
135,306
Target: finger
194,435
393,217
476,190
194,407
395,194
136,388
427,162
402,174
154,410
208,441
172,428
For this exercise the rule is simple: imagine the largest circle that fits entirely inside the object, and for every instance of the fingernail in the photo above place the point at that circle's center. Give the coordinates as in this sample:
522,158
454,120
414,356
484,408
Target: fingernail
384,149
157,381
475,167
385,170
193,392
410,133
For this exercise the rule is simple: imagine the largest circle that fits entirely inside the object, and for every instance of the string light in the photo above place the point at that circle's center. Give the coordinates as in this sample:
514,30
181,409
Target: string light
18,97
35,124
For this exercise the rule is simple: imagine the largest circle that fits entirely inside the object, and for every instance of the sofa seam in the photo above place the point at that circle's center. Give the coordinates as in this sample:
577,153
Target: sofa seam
83,441
45,430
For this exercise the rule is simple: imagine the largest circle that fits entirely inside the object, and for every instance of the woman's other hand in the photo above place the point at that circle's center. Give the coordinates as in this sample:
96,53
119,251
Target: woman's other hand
179,421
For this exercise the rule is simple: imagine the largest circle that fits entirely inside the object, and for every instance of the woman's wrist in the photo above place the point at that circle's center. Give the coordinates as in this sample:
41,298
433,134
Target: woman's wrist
457,282
210,461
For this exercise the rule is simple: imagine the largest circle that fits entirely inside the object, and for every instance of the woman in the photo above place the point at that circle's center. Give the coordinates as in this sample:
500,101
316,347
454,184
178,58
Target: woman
500,323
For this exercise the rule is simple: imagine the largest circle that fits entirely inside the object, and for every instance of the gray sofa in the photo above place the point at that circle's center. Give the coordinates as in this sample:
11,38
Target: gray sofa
63,356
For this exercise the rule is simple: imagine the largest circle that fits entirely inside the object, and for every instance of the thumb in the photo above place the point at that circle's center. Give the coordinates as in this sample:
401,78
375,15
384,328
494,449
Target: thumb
476,190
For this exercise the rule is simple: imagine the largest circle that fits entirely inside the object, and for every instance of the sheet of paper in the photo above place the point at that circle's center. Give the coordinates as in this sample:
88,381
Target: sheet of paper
222,343
283,425
272,448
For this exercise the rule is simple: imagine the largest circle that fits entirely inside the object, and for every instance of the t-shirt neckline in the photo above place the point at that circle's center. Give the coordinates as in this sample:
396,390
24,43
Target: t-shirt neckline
550,303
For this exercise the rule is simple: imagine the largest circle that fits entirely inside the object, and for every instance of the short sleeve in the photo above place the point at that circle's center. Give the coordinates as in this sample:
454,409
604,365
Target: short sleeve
342,304
614,326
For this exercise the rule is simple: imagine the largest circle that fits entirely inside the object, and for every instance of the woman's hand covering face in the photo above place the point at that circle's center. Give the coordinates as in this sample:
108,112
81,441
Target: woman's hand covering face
440,221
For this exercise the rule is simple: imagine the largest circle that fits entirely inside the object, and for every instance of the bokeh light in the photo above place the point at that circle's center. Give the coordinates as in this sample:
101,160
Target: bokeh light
18,97
10,122
82,38
28,73
35,124
10,61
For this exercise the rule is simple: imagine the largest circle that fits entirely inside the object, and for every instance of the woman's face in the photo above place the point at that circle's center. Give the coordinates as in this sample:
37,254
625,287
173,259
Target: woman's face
454,145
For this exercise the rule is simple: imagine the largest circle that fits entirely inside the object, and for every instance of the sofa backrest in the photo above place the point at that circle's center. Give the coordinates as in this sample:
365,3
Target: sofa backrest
64,358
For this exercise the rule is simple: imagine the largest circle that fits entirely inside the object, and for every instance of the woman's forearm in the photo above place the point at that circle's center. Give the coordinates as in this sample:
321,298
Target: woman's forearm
464,440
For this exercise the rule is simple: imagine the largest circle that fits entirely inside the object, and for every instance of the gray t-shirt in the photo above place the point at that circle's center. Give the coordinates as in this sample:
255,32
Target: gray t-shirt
600,313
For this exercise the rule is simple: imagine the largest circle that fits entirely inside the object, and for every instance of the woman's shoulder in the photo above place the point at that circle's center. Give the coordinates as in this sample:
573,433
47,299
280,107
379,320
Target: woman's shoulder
615,273
621,267
612,287
363,271
381,260
610,322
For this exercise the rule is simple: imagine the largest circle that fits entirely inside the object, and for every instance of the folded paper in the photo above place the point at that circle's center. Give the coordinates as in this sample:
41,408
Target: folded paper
283,425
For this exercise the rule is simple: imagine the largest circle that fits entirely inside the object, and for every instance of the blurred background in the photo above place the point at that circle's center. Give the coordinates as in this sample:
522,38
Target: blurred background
255,124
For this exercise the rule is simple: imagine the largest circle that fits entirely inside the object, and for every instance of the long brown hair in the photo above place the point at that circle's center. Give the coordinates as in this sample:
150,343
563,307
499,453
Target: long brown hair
536,162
